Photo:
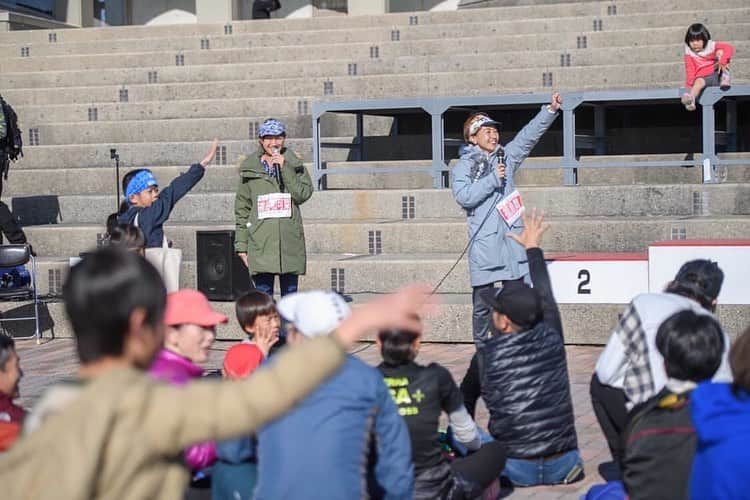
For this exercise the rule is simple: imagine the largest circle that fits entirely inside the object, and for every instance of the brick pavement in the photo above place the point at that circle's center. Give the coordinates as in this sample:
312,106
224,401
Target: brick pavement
56,359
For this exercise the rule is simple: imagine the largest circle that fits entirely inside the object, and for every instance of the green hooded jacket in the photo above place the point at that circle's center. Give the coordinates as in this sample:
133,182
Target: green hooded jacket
273,245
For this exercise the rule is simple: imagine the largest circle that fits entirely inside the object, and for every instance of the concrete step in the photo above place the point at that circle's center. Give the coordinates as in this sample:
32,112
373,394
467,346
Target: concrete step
733,30
196,129
402,19
165,110
54,160
358,274
198,71
568,234
541,171
379,86
134,155
582,323
716,17
422,205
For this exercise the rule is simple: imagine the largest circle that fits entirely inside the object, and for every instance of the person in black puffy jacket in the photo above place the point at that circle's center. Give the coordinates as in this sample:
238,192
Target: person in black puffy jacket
524,374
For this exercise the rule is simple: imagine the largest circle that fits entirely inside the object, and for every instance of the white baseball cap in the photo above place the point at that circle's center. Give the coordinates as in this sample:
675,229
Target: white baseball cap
314,313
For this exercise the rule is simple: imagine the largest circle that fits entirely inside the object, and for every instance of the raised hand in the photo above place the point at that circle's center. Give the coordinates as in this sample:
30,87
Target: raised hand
211,152
500,171
265,336
533,229
555,102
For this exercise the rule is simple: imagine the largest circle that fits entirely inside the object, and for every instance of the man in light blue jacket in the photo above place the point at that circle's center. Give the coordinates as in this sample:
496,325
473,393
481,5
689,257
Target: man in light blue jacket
483,178
346,439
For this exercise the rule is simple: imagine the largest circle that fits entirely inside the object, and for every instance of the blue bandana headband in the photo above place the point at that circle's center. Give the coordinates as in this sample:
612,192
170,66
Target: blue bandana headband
273,127
139,183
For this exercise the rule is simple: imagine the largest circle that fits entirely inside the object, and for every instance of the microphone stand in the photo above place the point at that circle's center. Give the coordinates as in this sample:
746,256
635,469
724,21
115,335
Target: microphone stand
114,156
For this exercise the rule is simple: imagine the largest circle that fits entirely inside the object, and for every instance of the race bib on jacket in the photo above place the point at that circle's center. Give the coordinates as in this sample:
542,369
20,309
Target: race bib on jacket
511,208
275,206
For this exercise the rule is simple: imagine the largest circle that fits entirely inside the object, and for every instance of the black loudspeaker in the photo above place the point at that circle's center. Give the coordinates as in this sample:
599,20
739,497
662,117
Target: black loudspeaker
221,273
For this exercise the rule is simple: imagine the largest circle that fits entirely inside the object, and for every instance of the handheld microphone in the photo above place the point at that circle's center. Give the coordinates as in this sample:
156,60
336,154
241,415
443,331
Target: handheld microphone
501,158
277,170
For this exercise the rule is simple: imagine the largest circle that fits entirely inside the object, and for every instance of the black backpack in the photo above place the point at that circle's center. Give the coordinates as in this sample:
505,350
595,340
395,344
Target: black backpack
11,146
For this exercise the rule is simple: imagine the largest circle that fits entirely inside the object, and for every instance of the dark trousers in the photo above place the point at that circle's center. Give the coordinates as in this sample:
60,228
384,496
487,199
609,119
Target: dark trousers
471,386
481,467
265,282
612,415
481,315
8,225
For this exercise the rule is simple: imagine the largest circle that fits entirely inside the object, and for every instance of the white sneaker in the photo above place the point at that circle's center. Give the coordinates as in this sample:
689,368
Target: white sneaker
688,101
725,81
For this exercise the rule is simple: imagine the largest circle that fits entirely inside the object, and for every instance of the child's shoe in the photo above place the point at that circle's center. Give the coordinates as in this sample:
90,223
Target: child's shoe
725,81
688,101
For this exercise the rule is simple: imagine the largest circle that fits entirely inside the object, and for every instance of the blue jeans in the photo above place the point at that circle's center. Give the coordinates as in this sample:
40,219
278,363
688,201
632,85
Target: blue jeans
265,281
560,470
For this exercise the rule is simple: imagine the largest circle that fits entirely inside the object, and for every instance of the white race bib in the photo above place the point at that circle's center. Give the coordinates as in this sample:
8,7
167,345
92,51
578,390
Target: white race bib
275,206
511,208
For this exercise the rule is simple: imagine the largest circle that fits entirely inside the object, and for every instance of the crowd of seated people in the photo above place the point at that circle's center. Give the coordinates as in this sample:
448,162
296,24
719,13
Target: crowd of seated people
298,417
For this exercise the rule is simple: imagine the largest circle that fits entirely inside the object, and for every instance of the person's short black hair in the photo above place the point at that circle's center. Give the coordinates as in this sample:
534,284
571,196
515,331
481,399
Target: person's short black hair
112,222
395,346
739,360
699,280
251,305
691,344
127,236
7,347
697,31
100,294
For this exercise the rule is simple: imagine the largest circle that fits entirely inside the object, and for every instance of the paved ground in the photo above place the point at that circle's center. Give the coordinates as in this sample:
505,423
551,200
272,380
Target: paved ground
56,359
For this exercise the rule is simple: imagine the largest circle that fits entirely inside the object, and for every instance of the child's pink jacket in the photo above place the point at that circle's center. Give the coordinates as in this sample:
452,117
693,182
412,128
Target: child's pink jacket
703,63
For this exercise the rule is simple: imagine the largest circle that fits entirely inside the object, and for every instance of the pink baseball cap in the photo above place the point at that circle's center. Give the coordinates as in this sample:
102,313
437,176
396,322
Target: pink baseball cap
191,307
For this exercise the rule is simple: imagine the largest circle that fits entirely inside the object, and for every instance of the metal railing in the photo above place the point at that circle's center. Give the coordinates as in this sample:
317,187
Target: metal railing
436,107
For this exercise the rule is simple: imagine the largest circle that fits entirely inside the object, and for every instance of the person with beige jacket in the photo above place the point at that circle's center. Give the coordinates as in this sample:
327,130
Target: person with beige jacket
122,437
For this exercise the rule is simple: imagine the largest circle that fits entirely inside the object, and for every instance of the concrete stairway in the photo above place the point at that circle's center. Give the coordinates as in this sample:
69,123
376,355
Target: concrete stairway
159,94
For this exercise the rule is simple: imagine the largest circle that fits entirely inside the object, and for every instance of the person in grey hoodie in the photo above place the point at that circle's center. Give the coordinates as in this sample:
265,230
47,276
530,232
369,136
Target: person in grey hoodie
484,177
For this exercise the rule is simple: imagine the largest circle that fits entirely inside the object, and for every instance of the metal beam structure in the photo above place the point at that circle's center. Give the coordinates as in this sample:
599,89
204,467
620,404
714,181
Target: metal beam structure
436,107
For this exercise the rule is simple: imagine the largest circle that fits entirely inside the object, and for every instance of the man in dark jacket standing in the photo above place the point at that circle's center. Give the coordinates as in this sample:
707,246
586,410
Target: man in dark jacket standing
524,374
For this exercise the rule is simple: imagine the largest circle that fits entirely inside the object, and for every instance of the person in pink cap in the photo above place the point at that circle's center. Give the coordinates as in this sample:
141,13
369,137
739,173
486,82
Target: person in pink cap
190,331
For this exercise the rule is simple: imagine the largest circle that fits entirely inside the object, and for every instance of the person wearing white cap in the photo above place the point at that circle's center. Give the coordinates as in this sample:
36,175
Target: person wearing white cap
483,185
346,440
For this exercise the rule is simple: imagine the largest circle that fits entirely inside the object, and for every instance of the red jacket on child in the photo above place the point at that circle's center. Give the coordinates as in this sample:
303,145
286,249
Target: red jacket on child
703,63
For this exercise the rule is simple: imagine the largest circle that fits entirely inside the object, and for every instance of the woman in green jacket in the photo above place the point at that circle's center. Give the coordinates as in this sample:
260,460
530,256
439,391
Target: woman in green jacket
269,237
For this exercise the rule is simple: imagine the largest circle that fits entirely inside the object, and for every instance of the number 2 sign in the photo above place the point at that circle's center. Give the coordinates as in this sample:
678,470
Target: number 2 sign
584,277
578,280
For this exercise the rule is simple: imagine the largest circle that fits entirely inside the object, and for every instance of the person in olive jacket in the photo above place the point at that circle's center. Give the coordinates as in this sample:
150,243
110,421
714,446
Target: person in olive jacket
269,236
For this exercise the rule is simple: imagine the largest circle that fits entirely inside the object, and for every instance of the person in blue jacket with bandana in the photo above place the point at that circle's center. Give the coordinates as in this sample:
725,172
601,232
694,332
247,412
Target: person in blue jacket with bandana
484,177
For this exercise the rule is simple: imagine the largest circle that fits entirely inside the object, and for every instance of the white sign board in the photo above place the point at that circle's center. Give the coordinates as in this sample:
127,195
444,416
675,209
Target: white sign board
598,278
733,256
